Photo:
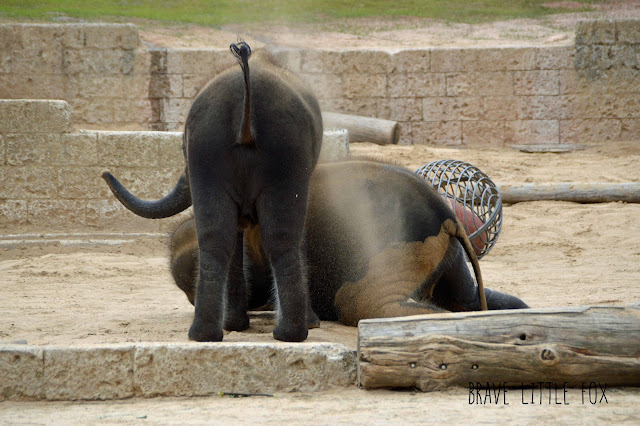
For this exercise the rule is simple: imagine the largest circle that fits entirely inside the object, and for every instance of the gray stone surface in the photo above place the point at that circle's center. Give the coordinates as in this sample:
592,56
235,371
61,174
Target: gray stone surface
34,116
21,372
204,369
158,369
98,372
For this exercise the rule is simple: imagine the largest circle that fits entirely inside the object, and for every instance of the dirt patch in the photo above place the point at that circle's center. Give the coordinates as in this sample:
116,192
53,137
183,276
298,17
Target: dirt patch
392,33
349,406
367,33
603,162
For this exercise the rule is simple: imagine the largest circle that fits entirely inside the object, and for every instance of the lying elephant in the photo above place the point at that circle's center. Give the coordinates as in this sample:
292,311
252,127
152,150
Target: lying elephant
251,142
380,242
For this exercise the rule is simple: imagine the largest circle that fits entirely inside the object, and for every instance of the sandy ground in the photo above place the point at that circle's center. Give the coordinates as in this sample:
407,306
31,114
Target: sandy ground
352,406
549,254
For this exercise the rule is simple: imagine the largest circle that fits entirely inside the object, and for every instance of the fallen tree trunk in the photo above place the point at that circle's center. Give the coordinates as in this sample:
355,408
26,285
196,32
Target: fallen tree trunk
363,129
514,348
571,191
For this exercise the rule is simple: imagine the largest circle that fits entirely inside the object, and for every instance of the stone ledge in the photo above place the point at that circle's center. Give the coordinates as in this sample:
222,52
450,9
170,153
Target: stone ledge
34,116
183,369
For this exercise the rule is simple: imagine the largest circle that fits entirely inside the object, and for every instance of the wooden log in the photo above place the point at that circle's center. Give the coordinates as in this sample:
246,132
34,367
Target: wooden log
571,191
514,347
363,129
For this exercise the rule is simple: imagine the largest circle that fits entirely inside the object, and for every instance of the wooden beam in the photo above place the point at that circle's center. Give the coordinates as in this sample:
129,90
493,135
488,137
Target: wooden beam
363,129
516,347
571,191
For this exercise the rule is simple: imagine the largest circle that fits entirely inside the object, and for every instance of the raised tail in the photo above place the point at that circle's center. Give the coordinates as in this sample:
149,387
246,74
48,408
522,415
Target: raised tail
242,52
461,236
178,200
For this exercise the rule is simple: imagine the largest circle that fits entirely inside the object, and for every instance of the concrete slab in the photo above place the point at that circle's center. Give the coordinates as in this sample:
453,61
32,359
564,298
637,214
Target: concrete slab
119,371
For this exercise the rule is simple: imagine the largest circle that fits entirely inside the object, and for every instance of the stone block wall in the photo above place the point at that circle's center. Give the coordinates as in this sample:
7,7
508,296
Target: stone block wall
177,75
578,93
101,70
607,82
50,172
50,176
445,96
588,92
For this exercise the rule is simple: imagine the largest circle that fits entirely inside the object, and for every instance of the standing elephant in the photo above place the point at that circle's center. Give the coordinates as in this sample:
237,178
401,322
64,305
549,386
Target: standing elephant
251,141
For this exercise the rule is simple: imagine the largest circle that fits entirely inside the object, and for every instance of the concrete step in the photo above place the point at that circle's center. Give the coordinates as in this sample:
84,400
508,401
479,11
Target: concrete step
117,371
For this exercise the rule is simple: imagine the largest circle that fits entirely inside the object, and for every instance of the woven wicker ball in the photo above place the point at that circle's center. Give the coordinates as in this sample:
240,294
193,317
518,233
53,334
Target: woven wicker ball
474,197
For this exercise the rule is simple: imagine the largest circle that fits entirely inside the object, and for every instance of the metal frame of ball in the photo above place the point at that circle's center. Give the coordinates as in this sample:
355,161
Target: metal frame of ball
469,186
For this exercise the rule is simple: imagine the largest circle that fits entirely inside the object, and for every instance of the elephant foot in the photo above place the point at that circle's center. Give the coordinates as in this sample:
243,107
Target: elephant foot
290,334
205,332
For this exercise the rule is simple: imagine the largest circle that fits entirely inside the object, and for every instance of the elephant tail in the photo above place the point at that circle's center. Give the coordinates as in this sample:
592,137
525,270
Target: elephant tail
461,235
178,200
242,52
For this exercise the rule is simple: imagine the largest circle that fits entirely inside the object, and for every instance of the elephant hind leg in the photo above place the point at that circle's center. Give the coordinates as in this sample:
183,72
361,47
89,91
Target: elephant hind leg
384,299
395,283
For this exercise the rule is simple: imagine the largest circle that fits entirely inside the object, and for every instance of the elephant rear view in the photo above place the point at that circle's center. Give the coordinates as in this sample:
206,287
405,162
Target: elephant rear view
251,141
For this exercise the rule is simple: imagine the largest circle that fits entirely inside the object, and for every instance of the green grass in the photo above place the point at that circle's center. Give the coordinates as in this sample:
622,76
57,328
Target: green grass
221,12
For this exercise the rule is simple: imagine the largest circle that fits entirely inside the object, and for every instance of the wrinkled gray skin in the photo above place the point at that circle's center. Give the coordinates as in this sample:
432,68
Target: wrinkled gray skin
251,141
359,212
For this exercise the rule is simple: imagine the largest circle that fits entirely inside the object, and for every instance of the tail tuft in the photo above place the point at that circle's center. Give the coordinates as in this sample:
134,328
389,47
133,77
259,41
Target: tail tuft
241,51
